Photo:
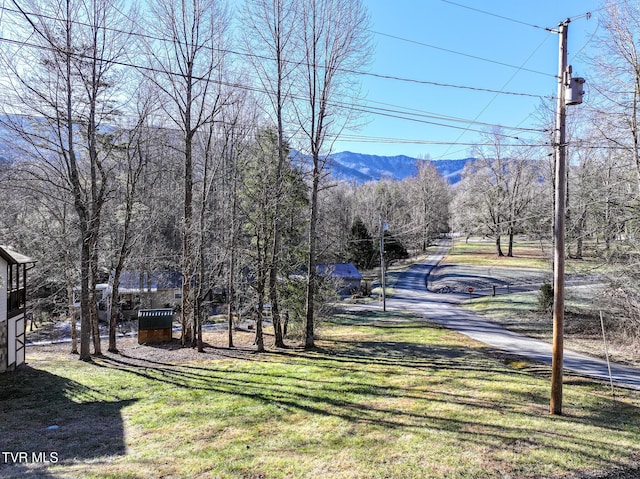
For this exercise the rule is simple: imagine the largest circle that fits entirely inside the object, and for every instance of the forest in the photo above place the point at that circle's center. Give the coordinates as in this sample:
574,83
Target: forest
157,137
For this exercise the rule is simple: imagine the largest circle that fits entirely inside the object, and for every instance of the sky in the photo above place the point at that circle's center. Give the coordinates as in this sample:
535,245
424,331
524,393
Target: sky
497,45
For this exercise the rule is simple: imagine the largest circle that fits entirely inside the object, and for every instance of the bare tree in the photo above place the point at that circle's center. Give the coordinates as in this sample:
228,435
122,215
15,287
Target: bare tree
497,189
68,100
134,146
618,98
334,40
237,127
269,28
429,197
185,66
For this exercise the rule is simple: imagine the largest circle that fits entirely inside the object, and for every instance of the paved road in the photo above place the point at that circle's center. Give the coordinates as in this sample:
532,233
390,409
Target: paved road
411,293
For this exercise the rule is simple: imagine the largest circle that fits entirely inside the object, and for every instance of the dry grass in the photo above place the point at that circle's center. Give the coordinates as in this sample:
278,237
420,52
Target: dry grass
476,251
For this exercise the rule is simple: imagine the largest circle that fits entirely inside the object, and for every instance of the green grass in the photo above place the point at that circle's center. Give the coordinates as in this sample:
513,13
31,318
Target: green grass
383,396
479,252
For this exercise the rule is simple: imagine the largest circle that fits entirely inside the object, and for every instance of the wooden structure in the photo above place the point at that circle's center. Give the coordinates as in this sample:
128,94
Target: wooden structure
155,326
13,301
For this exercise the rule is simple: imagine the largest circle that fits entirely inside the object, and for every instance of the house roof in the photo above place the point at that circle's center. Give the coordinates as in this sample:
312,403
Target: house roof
135,281
13,257
339,271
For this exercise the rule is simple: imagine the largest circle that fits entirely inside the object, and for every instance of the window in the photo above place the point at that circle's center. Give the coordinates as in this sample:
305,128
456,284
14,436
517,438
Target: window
16,288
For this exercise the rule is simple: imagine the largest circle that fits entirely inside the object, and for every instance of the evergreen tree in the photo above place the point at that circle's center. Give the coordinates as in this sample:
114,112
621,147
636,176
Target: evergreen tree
393,249
360,250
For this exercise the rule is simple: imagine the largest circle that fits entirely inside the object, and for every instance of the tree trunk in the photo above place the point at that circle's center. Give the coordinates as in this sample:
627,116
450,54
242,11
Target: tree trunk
93,303
198,317
85,320
273,297
581,232
71,309
510,248
285,325
114,311
187,262
260,312
232,267
311,259
230,318
498,246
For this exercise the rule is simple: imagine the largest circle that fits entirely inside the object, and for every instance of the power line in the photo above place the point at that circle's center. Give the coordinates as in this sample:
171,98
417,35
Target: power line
495,62
294,62
421,114
496,15
586,15
398,114
449,85
151,37
504,86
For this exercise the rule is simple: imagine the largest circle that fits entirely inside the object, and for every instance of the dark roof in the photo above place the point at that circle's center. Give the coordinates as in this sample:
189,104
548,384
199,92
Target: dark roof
131,280
13,257
339,271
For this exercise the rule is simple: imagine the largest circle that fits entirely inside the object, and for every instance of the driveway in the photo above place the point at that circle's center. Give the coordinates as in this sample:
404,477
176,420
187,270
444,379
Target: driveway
411,293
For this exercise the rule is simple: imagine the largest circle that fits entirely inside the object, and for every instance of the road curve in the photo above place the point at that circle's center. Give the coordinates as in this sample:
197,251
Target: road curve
411,293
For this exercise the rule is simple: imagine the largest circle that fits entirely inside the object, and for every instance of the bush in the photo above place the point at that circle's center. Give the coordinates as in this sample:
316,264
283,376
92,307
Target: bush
545,299
625,304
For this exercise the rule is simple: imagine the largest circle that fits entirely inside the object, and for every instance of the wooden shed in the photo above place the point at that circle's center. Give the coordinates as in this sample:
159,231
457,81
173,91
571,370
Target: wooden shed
13,301
155,326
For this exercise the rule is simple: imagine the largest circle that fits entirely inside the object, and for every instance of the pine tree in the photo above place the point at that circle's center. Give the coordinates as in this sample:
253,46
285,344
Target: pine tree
360,248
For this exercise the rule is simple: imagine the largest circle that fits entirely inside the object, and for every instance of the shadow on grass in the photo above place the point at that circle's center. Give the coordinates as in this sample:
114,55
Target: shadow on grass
349,380
470,275
383,379
49,419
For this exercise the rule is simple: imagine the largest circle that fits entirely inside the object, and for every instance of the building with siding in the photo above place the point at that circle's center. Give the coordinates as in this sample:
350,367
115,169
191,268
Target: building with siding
13,302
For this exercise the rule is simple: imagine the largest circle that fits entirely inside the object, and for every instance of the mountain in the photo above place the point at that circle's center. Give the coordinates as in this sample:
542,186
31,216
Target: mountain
361,167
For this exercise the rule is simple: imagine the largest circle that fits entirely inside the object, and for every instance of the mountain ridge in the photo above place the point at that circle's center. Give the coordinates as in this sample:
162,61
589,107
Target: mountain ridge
363,167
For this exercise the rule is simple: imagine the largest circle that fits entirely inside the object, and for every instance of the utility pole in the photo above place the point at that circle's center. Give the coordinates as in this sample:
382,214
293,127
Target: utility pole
555,406
569,93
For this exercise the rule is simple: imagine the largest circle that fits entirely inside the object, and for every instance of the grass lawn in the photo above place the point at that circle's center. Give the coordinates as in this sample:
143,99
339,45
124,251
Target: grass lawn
520,312
482,252
474,263
384,396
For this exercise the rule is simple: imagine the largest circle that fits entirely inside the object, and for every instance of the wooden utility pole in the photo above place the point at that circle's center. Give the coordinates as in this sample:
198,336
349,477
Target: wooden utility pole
559,227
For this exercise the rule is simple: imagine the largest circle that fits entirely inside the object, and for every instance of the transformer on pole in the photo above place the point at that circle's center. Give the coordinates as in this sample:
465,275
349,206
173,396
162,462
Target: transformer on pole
570,92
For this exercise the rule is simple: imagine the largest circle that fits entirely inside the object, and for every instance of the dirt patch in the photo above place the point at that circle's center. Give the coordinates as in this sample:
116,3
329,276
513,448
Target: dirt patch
215,347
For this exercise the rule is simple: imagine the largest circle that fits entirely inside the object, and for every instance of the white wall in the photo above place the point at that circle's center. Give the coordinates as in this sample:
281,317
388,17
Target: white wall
3,315
3,290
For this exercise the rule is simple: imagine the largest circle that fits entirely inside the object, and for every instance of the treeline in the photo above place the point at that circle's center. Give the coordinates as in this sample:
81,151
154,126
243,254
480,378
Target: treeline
156,136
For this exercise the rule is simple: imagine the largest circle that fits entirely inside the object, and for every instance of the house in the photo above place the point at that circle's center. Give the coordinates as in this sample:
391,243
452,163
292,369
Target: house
13,301
346,275
157,289
136,290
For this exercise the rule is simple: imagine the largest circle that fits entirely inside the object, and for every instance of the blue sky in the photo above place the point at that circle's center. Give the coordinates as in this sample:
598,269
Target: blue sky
523,59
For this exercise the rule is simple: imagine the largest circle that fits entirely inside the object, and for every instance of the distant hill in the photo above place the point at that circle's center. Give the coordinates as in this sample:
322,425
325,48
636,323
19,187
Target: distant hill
346,165
361,167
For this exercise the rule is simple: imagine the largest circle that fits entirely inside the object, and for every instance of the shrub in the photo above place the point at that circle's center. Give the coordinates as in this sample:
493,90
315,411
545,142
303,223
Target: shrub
545,299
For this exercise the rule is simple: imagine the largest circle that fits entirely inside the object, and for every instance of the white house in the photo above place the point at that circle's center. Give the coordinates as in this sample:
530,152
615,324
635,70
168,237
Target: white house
13,299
